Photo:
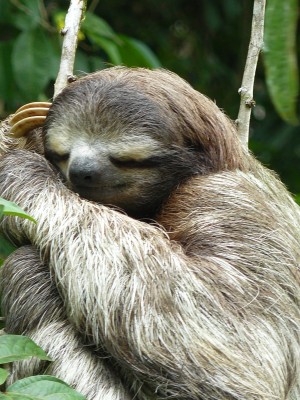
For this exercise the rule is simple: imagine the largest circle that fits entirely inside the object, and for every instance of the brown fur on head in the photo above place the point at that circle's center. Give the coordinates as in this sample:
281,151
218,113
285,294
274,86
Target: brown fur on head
188,115
128,137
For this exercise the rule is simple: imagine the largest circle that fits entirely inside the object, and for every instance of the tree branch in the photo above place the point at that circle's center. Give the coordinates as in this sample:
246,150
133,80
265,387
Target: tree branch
246,90
70,33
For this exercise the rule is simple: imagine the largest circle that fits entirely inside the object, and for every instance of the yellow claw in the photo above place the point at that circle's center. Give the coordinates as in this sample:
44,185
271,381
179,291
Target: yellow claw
25,125
28,117
41,104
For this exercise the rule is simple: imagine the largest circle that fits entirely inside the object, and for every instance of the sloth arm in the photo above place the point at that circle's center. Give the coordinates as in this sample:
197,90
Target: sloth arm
34,308
127,287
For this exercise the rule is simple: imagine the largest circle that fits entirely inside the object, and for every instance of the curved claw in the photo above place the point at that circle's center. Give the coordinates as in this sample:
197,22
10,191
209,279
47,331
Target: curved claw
28,117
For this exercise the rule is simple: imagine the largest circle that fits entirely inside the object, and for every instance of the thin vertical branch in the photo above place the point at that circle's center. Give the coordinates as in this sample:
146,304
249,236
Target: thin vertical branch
70,34
246,90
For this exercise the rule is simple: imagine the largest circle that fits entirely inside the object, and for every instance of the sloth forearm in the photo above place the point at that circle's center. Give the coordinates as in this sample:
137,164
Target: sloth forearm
23,279
118,252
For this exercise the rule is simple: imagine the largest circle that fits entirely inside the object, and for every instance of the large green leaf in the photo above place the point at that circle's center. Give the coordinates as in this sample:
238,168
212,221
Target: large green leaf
42,387
33,60
97,26
6,76
10,208
297,198
6,248
100,33
81,63
6,12
96,63
110,47
280,56
136,54
28,16
119,48
3,375
15,347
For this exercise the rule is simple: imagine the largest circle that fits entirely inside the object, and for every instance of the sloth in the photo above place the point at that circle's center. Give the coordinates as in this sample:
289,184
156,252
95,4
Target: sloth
165,258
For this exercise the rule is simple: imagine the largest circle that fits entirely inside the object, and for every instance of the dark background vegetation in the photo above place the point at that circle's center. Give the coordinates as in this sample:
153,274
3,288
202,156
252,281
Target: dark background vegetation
203,41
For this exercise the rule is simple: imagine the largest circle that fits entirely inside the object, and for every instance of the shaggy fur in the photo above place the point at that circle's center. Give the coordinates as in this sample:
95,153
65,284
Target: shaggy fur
202,304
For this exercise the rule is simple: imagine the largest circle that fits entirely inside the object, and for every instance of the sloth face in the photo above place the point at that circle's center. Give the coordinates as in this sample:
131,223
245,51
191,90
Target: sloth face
115,146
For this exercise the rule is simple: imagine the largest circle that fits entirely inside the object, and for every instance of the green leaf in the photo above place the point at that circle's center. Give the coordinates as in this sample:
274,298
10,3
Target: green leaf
6,76
297,198
100,33
15,347
96,63
93,25
6,247
6,12
15,396
10,208
3,375
59,19
119,48
34,61
5,397
44,387
28,15
280,56
136,54
81,63
110,48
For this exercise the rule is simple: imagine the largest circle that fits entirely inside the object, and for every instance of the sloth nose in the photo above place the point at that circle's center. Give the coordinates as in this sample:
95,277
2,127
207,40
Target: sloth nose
84,174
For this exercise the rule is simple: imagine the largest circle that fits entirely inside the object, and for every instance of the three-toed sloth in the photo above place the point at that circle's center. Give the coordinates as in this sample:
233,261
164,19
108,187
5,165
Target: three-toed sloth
175,271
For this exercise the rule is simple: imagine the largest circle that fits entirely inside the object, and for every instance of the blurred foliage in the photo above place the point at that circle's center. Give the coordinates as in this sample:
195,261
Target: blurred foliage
281,58
31,46
203,41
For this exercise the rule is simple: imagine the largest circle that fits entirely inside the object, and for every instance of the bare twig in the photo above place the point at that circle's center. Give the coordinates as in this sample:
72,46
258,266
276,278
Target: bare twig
70,33
246,90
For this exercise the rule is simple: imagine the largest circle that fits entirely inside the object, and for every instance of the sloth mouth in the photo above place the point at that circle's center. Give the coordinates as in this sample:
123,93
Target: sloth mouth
99,187
115,197
100,193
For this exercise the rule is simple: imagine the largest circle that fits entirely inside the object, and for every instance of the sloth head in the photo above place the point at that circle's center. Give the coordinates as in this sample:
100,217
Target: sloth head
127,137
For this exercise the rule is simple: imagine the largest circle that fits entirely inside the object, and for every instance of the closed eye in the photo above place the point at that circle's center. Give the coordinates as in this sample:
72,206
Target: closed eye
150,162
55,157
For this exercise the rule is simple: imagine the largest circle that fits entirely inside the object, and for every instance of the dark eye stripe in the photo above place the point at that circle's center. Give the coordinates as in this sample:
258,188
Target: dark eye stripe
55,157
150,162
